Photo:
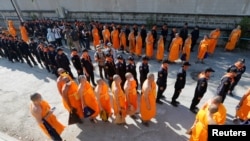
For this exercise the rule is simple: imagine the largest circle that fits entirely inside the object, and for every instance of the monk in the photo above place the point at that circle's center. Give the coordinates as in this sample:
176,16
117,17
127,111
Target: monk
24,33
148,100
131,38
41,110
138,45
149,45
106,36
115,38
243,108
187,47
119,100
202,49
71,99
175,48
213,38
123,42
131,94
233,38
102,94
199,130
160,49
88,98
11,28
95,35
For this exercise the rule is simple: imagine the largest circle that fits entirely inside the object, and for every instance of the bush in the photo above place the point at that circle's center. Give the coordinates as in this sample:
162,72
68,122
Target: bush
245,32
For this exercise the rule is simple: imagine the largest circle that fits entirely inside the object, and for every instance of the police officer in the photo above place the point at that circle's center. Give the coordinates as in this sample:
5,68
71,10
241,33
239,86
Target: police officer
24,48
225,83
131,67
143,69
52,59
33,49
200,89
162,81
109,67
120,68
76,60
241,68
180,82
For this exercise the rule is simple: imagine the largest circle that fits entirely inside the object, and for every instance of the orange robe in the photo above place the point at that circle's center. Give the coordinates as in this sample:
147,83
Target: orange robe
74,99
24,34
96,38
106,36
160,50
60,83
131,38
175,49
123,40
105,99
145,113
233,39
51,119
89,99
115,39
132,97
149,46
12,29
214,36
202,49
244,110
138,45
187,48
121,101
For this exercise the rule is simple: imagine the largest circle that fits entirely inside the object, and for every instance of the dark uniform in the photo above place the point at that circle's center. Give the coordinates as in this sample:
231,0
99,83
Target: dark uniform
33,49
109,67
200,90
162,83
52,60
144,70
120,69
43,55
131,67
87,64
179,85
77,63
24,48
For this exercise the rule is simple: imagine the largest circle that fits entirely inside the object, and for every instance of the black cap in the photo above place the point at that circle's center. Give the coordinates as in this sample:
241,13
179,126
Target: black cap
209,70
241,60
85,50
119,57
144,57
73,49
164,61
131,58
59,49
233,70
186,64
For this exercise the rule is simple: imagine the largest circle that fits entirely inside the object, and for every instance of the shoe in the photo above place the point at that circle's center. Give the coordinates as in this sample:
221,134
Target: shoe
159,102
145,123
163,97
177,102
133,117
174,104
193,111
231,94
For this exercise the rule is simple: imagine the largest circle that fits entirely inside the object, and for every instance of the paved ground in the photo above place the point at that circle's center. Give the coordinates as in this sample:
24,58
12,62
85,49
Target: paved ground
18,81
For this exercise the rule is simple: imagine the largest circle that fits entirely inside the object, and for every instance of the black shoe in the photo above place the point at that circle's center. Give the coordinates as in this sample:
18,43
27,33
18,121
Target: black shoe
163,97
133,117
145,123
174,104
193,111
159,102
177,102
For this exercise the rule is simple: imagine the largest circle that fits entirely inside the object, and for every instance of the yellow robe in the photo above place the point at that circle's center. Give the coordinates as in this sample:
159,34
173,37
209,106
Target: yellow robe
132,97
202,49
233,39
244,110
146,114
160,50
96,38
187,48
105,99
115,39
51,119
175,49
149,46
131,38
123,40
24,34
214,36
138,45
106,36
12,29
89,99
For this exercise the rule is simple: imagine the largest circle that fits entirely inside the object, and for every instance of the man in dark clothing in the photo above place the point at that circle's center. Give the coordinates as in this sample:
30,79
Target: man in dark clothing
76,61
131,67
154,33
241,68
33,49
135,28
164,33
88,67
109,68
143,35
172,36
195,35
43,51
200,89
162,81
127,31
143,69
52,59
180,83
225,84
24,48
120,68
184,32
63,61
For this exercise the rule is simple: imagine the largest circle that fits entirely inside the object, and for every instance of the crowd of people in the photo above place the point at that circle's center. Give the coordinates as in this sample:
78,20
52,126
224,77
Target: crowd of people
41,43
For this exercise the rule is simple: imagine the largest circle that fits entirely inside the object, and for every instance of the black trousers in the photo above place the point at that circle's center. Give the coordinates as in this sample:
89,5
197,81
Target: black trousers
101,70
196,100
176,94
91,77
160,91
236,80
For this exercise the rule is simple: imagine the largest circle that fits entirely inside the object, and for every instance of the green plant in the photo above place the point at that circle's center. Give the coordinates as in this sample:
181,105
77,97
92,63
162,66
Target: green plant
245,32
149,22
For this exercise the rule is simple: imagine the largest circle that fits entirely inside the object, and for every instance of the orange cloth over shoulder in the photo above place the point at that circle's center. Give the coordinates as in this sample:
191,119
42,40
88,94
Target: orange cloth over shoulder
203,48
24,34
138,45
175,49
187,48
115,39
214,36
131,38
149,46
160,50
132,95
105,98
12,29
233,39
244,110
96,38
123,40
